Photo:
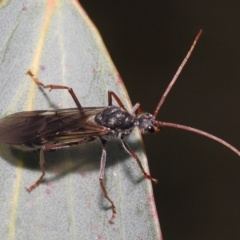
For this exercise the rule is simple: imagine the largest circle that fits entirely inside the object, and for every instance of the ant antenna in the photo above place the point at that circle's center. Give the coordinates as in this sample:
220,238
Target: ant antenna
208,135
176,74
187,128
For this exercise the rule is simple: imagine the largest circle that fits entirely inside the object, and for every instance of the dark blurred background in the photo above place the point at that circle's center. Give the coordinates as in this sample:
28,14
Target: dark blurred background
198,195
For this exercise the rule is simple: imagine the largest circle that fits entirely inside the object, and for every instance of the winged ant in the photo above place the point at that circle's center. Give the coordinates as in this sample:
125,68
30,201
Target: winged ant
55,129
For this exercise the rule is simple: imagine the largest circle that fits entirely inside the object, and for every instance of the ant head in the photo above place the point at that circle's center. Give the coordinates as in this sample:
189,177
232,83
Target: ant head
147,124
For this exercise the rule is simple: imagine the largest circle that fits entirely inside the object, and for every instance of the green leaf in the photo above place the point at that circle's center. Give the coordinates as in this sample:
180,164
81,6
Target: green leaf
58,42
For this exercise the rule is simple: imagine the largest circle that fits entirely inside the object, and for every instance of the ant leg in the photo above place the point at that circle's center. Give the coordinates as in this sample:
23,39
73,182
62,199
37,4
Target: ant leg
70,90
137,106
101,178
111,95
41,163
133,154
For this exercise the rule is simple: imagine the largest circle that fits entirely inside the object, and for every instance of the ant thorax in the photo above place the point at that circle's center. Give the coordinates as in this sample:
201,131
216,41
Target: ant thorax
117,119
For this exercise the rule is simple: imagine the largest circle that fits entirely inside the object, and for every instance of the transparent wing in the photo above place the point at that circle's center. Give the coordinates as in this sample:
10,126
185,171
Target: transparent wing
22,127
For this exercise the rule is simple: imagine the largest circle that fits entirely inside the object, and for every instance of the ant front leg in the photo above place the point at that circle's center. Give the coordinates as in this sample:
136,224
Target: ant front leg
136,107
70,90
134,155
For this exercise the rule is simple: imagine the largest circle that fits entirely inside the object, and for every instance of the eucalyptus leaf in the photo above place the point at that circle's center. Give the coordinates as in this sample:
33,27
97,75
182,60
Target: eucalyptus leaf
58,42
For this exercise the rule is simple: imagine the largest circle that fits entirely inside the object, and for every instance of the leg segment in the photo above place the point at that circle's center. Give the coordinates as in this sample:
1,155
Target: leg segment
101,178
70,90
41,163
138,107
130,151
111,94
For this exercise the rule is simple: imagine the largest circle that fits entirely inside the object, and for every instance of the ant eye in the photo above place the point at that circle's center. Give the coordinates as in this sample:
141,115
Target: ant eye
151,129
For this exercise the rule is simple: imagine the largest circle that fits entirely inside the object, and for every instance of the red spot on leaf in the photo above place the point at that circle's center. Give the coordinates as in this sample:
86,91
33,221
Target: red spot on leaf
151,199
83,175
119,80
42,67
50,188
52,3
